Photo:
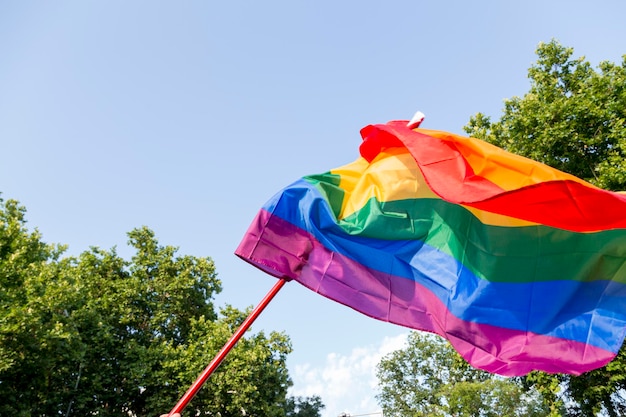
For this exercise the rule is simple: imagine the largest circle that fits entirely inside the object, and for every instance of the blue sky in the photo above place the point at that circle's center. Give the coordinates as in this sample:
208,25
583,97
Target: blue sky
187,116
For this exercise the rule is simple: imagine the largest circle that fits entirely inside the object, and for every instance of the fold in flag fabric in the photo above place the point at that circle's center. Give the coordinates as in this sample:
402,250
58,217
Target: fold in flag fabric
520,266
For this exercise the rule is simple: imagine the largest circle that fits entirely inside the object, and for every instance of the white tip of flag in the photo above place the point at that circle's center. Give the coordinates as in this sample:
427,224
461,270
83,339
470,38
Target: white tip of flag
416,120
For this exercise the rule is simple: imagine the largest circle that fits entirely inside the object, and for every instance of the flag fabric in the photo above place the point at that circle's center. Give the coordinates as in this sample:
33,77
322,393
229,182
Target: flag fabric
520,266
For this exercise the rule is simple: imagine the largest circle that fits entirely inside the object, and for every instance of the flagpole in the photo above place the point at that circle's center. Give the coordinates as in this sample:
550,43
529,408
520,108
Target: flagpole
195,387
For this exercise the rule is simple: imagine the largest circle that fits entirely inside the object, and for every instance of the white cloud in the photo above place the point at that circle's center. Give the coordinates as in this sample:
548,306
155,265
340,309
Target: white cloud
346,383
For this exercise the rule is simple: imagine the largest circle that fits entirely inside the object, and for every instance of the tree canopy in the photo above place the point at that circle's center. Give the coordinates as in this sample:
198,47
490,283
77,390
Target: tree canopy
304,406
573,118
97,334
429,378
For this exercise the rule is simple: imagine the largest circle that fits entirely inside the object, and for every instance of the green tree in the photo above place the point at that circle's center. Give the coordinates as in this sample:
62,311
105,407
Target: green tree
23,258
304,406
429,378
573,118
96,334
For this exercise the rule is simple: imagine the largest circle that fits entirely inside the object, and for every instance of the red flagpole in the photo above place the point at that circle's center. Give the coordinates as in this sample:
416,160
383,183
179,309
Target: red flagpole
195,387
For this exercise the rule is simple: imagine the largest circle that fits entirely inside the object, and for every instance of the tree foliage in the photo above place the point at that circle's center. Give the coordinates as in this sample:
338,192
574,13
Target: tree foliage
99,335
304,406
574,119
429,378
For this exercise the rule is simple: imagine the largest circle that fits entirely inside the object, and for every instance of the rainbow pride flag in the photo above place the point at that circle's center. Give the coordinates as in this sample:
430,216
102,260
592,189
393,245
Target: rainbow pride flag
520,266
